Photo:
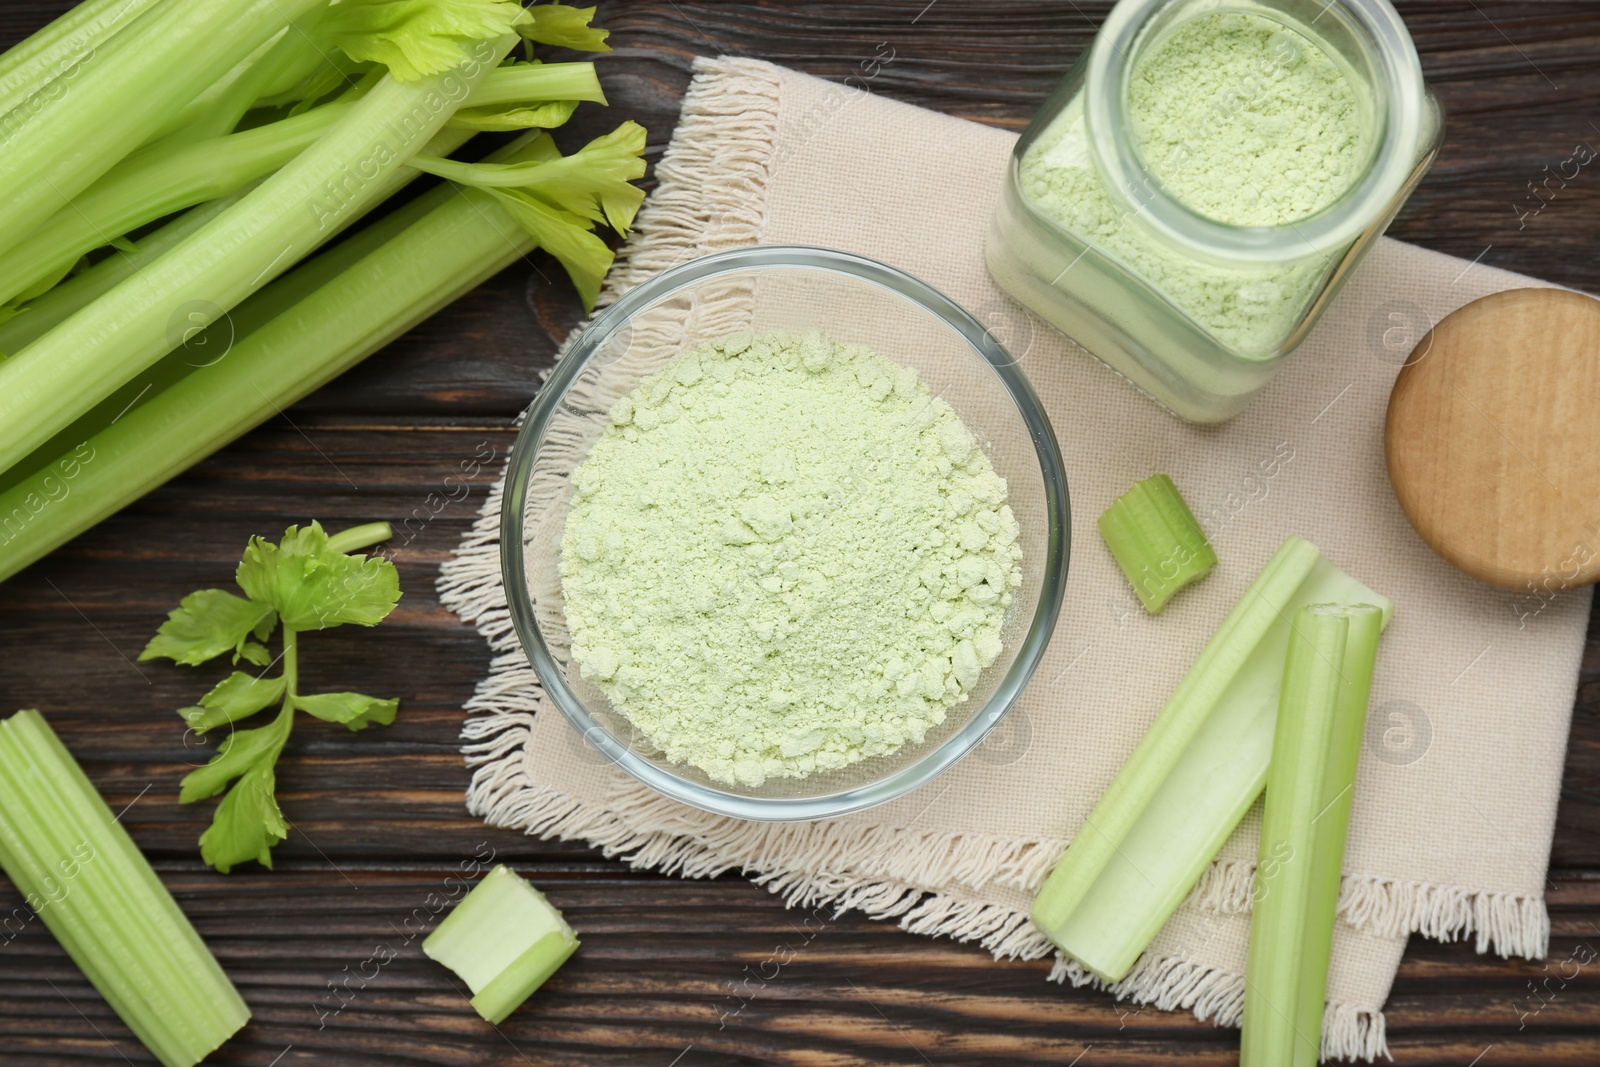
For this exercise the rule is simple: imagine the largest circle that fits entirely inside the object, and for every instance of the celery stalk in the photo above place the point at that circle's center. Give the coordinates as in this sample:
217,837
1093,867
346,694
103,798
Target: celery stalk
504,940
45,312
1156,541
83,875
215,112
63,374
314,323
33,64
56,143
538,81
167,176
1327,679
156,182
1190,779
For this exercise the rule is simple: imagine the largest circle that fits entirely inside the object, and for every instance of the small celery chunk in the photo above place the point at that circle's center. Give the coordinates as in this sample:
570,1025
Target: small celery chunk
1191,778
504,939
1322,715
1156,541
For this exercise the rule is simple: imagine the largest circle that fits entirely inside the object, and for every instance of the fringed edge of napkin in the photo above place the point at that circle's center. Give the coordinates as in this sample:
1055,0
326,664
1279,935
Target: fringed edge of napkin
1508,924
712,196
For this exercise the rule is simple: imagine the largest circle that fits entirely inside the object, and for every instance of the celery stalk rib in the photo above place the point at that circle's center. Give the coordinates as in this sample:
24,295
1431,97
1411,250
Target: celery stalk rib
319,320
45,312
538,81
52,149
1327,679
31,65
76,365
153,183
88,882
1174,727
1204,763
1333,815
218,110
167,176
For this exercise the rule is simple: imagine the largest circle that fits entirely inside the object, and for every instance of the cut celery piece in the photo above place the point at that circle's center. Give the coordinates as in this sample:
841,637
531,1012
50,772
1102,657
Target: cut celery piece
82,874
504,940
1192,776
1327,679
1156,541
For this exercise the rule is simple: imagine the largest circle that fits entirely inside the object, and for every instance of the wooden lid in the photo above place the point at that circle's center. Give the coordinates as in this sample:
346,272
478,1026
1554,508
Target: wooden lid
1493,439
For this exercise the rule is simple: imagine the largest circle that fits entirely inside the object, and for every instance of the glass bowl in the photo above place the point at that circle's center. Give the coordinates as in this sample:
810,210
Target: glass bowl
757,290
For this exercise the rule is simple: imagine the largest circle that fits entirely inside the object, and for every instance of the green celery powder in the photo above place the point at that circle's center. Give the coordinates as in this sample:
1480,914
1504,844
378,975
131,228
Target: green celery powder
1242,120
1245,121
784,556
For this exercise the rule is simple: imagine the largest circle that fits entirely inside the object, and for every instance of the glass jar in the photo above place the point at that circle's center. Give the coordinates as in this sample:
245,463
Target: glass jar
1198,305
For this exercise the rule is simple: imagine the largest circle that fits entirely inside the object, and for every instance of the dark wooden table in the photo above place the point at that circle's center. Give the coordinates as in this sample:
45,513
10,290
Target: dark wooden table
379,820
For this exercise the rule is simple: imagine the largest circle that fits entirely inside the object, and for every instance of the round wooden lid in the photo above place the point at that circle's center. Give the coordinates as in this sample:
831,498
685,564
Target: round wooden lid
1493,439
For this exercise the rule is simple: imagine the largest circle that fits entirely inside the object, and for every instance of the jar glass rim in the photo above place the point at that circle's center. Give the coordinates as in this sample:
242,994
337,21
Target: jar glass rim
1399,90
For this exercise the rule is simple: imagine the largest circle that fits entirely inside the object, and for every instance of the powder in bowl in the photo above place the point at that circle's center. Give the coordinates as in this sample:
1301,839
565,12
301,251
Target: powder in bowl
783,556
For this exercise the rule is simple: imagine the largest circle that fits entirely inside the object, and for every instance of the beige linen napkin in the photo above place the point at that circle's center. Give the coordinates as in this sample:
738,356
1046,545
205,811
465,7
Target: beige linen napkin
1456,797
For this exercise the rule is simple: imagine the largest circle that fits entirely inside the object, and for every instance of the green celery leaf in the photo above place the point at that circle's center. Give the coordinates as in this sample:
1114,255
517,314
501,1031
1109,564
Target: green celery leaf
251,652
355,710
207,624
314,587
565,27
235,697
565,236
247,823
416,38
242,750
546,116
599,172
594,183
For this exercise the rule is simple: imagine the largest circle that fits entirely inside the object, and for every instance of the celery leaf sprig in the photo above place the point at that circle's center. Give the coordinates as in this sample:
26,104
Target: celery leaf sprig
307,581
560,199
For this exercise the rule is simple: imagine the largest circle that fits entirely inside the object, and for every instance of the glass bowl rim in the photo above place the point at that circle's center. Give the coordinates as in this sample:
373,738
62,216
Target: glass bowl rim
582,348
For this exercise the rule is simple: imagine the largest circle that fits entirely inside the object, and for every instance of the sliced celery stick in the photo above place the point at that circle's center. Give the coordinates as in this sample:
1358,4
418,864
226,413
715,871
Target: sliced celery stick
504,939
82,874
1327,679
1156,541
1191,778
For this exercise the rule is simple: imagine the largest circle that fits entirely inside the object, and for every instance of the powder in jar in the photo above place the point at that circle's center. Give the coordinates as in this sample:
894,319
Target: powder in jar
1243,120
784,556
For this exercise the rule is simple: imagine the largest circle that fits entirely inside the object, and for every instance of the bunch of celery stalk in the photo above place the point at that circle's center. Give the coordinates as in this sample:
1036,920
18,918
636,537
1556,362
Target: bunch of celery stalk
166,164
